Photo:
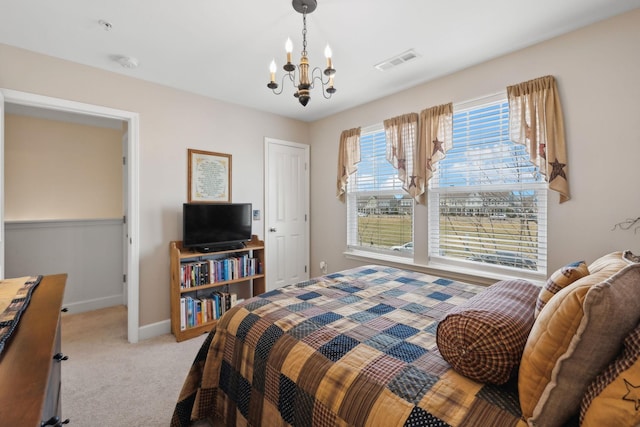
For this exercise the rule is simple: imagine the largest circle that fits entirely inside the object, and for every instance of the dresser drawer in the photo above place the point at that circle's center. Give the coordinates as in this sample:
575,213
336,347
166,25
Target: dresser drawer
52,406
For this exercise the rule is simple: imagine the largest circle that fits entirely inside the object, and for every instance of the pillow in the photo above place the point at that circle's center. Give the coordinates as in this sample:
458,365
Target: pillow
575,337
610,263
613,398
560,280
483,338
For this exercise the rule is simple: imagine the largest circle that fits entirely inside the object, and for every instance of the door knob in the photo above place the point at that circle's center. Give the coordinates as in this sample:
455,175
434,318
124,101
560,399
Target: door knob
272,229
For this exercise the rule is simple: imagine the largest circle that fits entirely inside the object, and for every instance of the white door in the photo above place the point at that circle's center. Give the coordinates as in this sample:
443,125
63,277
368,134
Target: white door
287,212
1,186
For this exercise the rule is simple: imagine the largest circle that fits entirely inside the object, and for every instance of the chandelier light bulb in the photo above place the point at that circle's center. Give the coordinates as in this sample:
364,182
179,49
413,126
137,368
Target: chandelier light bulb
327,54
272,70
288,46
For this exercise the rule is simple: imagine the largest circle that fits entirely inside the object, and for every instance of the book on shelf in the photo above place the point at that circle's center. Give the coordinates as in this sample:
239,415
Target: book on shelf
198,311
198,304
211,271
183,314
227,301
189,312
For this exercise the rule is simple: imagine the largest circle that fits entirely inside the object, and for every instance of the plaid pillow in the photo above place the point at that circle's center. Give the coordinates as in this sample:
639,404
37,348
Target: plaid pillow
483,339
558,280
612,398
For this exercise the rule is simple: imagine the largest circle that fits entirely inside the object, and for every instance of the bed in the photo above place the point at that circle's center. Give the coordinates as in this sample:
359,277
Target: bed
300,354
358,347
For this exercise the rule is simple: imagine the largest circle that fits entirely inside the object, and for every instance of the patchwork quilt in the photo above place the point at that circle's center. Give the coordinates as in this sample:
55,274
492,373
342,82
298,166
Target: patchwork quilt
354,348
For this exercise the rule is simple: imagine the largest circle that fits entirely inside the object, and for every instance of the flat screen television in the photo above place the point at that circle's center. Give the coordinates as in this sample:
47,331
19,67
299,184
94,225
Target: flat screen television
216,226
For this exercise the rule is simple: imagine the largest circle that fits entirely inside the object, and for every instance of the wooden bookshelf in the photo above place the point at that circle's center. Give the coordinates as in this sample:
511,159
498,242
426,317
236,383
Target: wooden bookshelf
244,287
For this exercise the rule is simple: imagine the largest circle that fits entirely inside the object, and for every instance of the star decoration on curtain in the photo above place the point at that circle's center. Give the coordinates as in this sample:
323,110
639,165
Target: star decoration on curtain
402,164
633,394
413,181
429,166
437,146
558,170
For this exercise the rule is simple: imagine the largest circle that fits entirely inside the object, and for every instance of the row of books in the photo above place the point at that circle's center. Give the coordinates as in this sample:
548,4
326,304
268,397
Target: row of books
198,273
197,311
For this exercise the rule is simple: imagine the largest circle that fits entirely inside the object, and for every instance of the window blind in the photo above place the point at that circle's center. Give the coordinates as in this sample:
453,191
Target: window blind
487,201
380,213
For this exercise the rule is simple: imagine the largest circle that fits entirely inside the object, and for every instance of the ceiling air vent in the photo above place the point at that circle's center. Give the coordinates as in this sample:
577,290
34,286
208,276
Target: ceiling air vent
397,60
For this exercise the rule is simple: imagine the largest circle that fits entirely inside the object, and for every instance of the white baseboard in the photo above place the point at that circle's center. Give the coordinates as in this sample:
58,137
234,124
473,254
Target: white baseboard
154,329
93,304
144,332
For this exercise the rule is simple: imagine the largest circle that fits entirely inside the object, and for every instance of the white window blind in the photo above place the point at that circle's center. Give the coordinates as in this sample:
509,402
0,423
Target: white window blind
379,211
487,201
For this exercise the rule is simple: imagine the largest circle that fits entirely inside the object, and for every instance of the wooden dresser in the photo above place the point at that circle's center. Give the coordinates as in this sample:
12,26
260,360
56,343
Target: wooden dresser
30,364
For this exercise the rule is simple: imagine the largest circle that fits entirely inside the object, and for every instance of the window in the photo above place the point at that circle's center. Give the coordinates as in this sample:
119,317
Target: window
487,201
380,212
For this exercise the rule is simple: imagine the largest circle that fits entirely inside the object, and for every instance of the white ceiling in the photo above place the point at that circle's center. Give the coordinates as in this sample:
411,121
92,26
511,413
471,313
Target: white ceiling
222,49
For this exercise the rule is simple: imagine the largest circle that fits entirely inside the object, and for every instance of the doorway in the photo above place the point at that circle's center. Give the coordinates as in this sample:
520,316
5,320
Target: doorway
131,244
286,212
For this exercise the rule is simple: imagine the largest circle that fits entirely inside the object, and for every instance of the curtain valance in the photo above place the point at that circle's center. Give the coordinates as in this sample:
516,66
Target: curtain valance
402,152
536,121
436,134
348,157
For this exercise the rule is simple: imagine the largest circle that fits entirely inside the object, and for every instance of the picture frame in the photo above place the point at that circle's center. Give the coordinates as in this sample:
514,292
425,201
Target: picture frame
209,176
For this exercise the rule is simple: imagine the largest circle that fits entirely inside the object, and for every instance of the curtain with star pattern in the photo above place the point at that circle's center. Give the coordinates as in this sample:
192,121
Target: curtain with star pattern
536,121
348,157
436,134
404,154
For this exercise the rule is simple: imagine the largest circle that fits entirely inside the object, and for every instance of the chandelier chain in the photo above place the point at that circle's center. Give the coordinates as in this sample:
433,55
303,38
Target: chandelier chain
304,30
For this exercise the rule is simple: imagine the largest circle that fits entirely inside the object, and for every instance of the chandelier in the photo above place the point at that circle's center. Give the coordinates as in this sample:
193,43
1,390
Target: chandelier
300,73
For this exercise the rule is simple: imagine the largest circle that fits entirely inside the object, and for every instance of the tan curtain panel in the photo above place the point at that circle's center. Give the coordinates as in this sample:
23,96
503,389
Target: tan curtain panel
402,152
348,157
535,120
436,134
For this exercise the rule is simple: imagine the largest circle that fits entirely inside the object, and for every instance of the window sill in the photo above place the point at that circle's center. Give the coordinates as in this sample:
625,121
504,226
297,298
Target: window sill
476,276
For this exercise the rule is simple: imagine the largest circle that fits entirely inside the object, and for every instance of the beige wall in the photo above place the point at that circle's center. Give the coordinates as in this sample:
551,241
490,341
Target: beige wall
59,170
170,122
598,71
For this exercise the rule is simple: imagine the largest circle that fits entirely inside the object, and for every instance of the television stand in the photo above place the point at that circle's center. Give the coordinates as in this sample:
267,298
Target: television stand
246,281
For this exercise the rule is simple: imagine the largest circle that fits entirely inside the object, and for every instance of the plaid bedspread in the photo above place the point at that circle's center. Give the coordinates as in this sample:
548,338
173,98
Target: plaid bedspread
356,348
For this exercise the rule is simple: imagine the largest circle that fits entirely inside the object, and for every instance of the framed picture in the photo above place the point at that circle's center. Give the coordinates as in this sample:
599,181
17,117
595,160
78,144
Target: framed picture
209,177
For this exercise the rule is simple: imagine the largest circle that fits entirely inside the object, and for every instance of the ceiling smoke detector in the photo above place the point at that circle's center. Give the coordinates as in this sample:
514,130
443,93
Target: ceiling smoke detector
127,61
397,60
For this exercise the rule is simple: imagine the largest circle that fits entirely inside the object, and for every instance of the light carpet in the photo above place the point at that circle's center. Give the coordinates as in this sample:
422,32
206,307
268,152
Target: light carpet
108,381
